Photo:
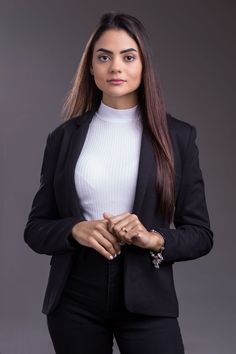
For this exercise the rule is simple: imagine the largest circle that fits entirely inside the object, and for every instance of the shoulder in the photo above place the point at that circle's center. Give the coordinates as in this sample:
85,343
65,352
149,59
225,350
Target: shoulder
65,130
183,137
65,127
179,130
177,126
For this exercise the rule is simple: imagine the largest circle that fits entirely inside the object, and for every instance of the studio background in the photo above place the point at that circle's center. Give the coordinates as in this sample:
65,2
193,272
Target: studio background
41,43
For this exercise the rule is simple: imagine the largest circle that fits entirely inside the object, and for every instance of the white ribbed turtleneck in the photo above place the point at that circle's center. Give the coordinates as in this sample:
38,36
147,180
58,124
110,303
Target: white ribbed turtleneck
107,168
114,115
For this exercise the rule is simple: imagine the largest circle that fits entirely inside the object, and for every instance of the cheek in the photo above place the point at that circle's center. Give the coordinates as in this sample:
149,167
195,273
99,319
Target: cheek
136,74
99,80
99,72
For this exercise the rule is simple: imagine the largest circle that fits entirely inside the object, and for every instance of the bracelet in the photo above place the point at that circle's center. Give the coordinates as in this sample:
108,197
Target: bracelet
157,256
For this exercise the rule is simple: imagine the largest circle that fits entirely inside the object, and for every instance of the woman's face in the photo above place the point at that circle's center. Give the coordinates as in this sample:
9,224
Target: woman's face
117,68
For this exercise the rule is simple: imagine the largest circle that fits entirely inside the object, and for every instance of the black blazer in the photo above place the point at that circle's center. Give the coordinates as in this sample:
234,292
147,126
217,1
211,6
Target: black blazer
56,209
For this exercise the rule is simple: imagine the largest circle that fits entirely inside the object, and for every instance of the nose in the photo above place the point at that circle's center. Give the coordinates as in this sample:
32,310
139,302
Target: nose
115,65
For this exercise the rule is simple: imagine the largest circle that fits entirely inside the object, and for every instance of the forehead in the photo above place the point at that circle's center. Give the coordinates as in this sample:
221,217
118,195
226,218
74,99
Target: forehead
115,40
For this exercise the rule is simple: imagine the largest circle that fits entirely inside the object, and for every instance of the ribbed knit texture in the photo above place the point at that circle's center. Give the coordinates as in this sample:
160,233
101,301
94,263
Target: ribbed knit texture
107,168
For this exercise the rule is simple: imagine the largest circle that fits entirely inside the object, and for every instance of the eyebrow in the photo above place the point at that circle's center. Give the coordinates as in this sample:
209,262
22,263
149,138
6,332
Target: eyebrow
121,52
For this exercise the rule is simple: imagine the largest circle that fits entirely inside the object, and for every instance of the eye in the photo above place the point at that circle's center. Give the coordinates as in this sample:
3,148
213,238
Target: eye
103,57
129,58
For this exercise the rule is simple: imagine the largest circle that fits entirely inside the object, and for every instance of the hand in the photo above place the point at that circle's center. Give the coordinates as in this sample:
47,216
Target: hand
95,234
128,228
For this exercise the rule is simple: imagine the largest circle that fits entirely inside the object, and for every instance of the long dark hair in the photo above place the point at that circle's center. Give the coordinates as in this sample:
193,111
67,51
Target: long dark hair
85,96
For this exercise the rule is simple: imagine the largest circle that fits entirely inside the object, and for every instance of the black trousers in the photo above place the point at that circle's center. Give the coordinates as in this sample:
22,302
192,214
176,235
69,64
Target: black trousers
92,310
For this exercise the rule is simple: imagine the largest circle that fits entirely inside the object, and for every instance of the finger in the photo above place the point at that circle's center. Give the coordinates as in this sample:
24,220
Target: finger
112,219
106,244
124,223
102,230
112,239
100,249
107,215
136,229
134,232
119,217
130,227
110,224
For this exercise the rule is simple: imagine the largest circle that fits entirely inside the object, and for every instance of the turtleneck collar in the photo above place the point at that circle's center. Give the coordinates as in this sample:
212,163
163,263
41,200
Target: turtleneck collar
110,114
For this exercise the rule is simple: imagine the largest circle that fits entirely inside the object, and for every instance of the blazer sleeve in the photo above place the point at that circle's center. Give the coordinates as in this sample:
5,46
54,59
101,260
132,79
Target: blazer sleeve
192,236
46,232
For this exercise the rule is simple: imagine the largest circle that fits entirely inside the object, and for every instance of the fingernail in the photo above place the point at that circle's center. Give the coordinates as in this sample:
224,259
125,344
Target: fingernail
119,253
111,257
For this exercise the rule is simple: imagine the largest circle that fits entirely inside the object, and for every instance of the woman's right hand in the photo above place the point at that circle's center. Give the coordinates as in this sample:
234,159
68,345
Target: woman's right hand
95,234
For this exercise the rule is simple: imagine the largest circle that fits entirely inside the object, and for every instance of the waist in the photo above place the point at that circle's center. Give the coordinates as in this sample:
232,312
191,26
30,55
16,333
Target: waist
95,282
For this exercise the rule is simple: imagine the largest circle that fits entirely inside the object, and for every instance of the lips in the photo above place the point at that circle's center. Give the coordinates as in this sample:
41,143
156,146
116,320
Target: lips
116,81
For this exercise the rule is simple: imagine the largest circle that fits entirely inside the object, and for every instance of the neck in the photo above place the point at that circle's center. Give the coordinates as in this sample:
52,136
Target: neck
110,114
126,102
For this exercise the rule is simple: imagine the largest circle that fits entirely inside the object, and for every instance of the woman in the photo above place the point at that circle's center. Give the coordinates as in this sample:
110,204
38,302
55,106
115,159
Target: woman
114,177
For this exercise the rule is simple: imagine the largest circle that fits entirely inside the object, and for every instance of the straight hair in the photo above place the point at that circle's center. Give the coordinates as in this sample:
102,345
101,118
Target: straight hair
85,96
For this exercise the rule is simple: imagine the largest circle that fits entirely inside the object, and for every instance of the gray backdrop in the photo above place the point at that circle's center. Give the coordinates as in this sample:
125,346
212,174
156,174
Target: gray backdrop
40,45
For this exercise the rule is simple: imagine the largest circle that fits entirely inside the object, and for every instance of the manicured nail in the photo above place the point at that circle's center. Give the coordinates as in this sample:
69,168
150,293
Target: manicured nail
119,253
111,257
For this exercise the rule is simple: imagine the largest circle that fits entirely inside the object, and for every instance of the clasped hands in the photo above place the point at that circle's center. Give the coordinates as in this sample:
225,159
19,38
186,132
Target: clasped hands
107,235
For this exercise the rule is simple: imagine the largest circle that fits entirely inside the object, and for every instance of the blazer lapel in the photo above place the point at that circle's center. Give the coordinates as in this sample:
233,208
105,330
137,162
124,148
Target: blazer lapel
147,166
76,145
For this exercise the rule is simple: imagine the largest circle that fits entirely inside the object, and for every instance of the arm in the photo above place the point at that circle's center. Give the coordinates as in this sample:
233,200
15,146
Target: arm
192,237
46,232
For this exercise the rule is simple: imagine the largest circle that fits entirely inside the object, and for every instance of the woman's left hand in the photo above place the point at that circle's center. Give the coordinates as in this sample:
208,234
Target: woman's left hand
128,229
